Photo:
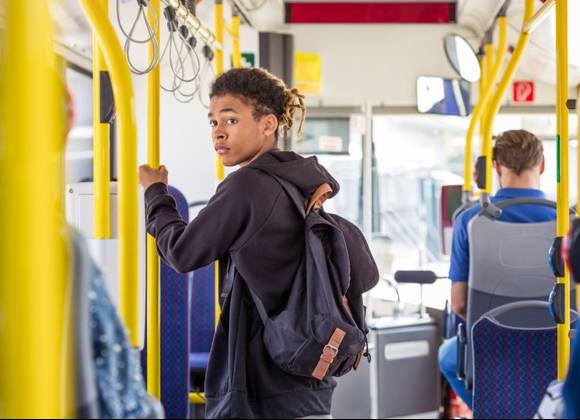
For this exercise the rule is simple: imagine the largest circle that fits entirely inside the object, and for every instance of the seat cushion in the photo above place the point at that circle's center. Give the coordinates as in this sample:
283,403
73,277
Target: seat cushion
198,361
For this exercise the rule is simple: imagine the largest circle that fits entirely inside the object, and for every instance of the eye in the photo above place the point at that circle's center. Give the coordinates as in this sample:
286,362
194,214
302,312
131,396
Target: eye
232,121
213,123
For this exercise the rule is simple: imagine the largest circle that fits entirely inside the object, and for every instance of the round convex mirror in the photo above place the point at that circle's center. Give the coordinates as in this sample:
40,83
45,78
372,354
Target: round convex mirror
462,57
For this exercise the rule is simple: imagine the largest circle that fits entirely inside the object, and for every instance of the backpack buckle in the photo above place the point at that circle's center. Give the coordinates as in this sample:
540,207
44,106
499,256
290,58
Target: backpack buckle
331,348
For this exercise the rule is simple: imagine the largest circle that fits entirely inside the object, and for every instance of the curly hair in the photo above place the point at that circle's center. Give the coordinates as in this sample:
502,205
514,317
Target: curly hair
518,150
266,93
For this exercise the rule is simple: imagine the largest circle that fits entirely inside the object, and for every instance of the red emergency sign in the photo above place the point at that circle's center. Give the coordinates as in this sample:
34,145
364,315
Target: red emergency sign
524,92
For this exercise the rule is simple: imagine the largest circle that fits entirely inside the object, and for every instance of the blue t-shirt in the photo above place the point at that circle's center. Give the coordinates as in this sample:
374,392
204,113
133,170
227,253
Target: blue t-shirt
459,270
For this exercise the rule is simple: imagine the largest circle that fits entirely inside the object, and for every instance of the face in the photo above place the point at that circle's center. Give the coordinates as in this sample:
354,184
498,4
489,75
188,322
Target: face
237,136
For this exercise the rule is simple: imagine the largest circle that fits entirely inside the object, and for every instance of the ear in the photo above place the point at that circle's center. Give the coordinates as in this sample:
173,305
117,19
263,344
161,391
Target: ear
497,167
269,124
543,166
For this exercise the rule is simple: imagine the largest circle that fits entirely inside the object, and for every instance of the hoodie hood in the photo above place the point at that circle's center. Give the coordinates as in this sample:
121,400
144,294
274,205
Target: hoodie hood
305,173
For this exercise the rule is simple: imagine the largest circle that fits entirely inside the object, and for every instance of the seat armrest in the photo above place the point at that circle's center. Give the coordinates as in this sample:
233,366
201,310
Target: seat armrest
461,349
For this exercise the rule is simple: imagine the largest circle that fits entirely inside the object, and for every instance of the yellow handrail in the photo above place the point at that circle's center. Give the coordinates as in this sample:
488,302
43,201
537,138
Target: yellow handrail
496,69
468,158
578,154
219,66
153,286
578,169
128,210
234,32
490,72
236,50
33,249
563,174
489,87
495,103
101,148
542,13
197,398
220,173
483,78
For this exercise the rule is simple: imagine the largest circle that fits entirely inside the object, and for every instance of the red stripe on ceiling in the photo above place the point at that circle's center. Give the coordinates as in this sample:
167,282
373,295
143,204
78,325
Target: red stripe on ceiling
414,12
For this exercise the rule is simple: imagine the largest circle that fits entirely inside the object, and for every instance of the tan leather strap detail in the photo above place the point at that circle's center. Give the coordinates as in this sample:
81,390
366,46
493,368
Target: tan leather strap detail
328,354
347,307
357,360
319,197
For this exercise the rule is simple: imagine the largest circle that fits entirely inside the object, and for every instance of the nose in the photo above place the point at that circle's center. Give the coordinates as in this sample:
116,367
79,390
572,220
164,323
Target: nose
219,134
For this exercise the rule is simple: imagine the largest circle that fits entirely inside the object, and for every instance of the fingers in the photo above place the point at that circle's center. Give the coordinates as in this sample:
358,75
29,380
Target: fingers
147,168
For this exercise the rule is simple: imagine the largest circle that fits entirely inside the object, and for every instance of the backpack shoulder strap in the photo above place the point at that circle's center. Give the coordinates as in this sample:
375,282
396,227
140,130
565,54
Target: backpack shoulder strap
292,192
316,201
231,274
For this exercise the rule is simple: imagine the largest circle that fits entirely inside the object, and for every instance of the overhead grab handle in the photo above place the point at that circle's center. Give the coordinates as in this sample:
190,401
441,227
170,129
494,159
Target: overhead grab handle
194,24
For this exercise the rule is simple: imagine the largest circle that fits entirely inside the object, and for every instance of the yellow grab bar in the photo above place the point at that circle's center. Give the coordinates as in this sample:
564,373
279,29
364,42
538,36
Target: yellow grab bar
220,173
489,87
542,13
495,71
33,249
578,169
153,286
197,398
219,65
468,159
578,152
495,103
563,174
483,78
490,72
128,210
236,50
101,148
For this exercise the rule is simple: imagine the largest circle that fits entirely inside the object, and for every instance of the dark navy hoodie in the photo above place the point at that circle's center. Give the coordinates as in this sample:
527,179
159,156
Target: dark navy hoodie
251,221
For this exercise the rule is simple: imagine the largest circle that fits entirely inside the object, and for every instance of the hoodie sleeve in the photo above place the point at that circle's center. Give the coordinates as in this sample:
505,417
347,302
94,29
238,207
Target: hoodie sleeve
231,217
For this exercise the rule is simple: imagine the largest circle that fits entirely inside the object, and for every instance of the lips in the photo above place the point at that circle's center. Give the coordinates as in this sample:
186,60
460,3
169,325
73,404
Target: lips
221,150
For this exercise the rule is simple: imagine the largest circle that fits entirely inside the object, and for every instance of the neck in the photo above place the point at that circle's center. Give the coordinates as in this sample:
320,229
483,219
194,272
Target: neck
260,153
526,179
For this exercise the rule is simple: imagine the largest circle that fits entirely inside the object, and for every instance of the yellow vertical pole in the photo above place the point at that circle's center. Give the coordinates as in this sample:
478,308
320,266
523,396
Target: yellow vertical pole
483,78
578,171
219,64
153,286
33,258
563,174
495,103
128,207
490,72
578,149
101,147
489,88
475,119
236,50
486,130
220,173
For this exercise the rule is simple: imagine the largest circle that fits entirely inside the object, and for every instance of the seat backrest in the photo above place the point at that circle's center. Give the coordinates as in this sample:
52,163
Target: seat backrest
203,309
515,359
572,384
508,263
175,329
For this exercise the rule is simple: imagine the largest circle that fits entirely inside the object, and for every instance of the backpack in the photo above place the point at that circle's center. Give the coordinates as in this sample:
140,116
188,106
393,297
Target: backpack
321,330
